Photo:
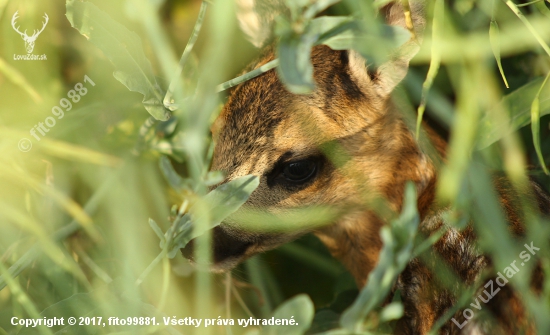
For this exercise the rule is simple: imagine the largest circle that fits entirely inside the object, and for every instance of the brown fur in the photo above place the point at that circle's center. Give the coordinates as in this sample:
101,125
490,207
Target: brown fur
365,149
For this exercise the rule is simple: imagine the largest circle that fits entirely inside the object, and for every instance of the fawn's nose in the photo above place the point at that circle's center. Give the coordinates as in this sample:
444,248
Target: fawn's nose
225,247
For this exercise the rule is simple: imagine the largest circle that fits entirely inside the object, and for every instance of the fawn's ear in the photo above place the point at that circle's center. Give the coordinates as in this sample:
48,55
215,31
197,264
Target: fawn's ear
389,74
256,19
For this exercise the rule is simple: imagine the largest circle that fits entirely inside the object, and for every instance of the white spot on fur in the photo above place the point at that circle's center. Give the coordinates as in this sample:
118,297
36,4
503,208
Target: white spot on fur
452,236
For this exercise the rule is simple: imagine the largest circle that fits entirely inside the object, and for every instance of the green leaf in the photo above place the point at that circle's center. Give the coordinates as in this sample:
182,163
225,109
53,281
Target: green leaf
494,38
464,6
518,104
340,33
294,50
329,27
300,309
296,6
392,311
324,320
227,198
173,178
213,178
289,220
295,68
124,49
352,35
307,8
156,229
541,7
223,201
317,7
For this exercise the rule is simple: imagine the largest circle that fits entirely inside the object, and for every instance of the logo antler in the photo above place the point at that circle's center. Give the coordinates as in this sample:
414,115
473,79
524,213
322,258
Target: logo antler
29,40
13,19
46,19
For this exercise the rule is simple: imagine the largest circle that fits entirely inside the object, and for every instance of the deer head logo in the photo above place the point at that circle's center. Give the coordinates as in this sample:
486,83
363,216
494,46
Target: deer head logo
29,40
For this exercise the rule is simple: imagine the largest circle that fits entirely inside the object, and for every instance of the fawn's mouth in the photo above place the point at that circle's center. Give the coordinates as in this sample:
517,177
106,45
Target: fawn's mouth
228,250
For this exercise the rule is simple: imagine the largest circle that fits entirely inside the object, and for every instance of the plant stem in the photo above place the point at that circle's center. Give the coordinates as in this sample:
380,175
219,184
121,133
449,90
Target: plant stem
247,76
165,283
150,267
526,22
168,98
528,3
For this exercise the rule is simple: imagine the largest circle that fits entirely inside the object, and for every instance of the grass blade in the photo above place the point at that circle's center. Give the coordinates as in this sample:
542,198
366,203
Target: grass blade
535,125
18,79
439,16
527,24
168,98
494,38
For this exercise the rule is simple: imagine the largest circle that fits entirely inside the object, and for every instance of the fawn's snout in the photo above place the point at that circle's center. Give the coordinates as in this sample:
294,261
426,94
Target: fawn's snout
227,249
231,246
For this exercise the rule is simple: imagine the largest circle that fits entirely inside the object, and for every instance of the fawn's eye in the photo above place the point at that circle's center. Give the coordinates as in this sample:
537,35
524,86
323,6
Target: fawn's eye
295,173
299,171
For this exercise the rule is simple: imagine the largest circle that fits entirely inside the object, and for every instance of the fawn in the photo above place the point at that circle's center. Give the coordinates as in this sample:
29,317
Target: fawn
266,131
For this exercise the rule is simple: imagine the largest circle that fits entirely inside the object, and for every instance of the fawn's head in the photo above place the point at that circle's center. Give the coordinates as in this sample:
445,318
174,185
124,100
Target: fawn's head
327,148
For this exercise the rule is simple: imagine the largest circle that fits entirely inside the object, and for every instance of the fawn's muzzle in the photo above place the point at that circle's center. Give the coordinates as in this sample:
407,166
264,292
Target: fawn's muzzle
226,248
